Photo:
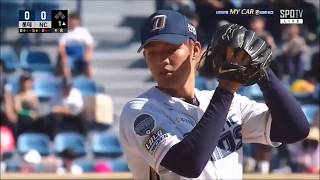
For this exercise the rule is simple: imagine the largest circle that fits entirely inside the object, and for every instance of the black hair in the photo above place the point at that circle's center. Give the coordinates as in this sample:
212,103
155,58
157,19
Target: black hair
68,153
74,15
23,78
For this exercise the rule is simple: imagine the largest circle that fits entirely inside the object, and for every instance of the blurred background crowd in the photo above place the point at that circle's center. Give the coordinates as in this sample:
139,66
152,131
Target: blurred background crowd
62,94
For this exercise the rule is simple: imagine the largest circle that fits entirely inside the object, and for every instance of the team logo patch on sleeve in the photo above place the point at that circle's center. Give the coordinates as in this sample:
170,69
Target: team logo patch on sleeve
143,125
152,142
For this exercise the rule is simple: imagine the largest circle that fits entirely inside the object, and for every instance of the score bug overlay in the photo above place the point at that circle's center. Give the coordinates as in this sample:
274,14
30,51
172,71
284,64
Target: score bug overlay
41,21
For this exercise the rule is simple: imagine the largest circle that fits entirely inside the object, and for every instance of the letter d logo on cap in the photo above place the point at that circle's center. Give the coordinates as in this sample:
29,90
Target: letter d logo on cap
159,22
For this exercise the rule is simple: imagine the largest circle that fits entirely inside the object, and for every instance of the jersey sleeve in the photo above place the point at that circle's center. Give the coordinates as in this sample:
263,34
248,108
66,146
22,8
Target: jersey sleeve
84,35
149,132
62,40
88,38
256,121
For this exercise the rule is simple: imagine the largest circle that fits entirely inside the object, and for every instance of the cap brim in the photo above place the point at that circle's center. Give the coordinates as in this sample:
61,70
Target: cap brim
168,38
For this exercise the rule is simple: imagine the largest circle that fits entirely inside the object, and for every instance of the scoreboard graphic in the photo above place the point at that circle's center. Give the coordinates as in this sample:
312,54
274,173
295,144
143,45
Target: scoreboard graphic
33,21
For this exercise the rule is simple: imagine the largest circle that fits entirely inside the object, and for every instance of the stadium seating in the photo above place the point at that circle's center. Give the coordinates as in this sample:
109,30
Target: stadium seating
35,61
305,98
119,165
85,85
105,145
43,75
253,92
122,72
13,166
84,164
46,87
9,58
72,142
310,111
9,15
33,141
14,85
43,5
201,83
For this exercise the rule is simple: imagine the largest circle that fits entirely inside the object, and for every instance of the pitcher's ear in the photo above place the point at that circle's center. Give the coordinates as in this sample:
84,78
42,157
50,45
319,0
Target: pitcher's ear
197,49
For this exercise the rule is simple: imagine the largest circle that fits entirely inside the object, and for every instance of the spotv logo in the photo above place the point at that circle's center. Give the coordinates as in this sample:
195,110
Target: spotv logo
291,16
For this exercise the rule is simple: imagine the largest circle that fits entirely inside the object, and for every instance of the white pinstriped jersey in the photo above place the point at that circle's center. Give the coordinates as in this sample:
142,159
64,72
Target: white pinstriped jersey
153,122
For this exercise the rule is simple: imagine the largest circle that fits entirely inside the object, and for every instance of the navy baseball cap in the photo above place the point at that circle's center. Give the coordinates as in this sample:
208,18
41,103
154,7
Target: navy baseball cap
167,26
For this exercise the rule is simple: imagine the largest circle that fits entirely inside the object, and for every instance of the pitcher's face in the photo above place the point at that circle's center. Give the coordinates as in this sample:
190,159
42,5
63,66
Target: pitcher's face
169,64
